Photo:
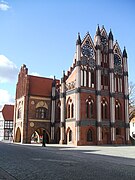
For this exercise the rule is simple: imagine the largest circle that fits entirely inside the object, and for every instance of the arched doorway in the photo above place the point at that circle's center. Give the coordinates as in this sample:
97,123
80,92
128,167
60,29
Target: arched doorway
37,136
105,135
57,136
18,135
69,136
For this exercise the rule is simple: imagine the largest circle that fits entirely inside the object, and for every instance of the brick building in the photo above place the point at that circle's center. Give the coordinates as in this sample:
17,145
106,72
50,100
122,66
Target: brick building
6,122
88,106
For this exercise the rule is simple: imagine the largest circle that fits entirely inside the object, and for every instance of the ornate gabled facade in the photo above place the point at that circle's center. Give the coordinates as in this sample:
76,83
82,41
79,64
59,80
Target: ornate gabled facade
34,111
90,105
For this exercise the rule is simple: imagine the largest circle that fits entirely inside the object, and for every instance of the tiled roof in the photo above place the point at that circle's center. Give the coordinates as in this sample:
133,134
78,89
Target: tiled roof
8,112
40,86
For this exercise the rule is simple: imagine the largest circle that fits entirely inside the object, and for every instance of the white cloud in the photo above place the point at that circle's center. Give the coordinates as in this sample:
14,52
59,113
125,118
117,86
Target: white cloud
4,6
51,76
8,70
5,98
35,74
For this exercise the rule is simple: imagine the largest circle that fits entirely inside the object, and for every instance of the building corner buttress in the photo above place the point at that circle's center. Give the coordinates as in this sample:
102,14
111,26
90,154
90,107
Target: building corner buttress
126,96
98,84
112,98
53,109
78,86
62,99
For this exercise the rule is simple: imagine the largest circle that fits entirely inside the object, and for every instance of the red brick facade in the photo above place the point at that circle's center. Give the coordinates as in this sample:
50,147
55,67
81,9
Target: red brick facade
88,107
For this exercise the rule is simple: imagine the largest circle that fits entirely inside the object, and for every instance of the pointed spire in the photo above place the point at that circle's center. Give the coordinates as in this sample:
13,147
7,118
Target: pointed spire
98,31
63,73
103,27
54,82
124,53
63,77
78,42
110,35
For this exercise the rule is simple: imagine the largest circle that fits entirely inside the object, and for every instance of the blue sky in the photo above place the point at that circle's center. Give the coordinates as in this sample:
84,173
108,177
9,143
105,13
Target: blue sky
42,34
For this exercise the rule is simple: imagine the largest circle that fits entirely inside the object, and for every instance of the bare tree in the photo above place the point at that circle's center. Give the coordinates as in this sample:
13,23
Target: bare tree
131,94
131,98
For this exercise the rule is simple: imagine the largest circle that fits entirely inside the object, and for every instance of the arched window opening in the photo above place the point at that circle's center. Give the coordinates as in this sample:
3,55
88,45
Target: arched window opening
104,109
89,136
58,111
68,111
117,110
89,108
72,110
118,131
92,79
41,113
19,113
70,135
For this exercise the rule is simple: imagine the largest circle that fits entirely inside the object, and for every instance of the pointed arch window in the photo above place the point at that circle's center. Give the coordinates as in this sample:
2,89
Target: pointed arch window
70,135
117,110
70,108
19,113
118,131
104,109
92,79
58,111
89,135
41,113
89,107
68,111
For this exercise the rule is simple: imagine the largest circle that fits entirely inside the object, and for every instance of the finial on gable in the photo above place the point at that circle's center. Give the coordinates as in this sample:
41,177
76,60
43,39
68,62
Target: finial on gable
78,42
124,52
110,35
98,31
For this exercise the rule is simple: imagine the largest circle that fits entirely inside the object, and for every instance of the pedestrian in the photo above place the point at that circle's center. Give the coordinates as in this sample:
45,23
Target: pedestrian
44,139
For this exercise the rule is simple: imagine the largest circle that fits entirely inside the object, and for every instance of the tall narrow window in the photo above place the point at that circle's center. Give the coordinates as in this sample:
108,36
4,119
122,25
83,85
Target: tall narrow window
104,109
19,113
81,77
68,111
92,79
72,110
118,131
58,111
89,136
70,135
117,110
89,107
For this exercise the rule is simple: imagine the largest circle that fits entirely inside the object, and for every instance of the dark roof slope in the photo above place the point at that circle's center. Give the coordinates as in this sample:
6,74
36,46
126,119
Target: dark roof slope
8,112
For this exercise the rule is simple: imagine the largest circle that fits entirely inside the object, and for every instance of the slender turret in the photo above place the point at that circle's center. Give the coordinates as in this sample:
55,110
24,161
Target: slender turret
98,84
62,98
126,94
112,99
53,109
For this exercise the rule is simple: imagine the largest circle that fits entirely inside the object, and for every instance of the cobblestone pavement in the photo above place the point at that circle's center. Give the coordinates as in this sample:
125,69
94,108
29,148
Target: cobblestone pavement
62,162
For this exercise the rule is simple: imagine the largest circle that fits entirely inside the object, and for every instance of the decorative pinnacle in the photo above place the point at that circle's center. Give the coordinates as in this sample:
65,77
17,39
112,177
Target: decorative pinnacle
124,52
110,35
54,82
63,73
98,31
78,42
